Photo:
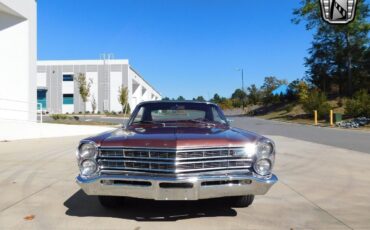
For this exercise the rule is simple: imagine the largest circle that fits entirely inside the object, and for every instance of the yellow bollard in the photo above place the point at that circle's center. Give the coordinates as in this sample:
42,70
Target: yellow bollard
315,115
331,118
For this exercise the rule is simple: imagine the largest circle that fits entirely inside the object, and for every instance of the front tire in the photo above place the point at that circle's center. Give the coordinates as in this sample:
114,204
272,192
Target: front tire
111,202
242,201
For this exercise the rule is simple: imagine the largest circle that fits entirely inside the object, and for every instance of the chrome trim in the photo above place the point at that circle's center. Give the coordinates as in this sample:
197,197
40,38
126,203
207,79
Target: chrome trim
254,185
172,160
169,148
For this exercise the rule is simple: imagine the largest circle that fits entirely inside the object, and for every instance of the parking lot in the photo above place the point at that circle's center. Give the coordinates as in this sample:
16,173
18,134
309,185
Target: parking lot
320,187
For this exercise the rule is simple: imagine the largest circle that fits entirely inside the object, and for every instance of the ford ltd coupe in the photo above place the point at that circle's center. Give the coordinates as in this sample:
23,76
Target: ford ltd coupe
176,150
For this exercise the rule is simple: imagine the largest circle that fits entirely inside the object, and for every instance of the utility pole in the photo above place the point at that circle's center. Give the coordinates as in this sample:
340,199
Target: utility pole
242,71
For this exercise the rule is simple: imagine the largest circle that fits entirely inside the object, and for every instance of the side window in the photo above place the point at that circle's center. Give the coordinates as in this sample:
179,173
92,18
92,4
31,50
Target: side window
217,117
139,115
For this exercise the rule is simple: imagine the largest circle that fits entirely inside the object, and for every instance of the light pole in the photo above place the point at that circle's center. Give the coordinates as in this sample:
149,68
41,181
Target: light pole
241,70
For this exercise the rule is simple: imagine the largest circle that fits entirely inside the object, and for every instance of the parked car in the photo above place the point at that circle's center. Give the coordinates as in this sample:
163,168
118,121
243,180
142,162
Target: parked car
176,150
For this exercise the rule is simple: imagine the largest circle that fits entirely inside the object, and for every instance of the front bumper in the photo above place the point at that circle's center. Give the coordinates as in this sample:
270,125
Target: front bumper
177,188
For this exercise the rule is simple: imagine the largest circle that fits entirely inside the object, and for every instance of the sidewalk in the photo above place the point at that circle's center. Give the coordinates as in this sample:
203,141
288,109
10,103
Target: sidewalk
16,130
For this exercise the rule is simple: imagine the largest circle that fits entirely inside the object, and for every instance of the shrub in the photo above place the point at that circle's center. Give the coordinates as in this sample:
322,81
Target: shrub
76,118
87,112
316,101
59,116
98,112
359,105
289,108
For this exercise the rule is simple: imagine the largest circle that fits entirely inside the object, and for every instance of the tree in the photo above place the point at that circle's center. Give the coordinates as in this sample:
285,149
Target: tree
359,105
84,88
338,52
93,103
239,98
123,98
200,98
270,83
180,98
253,94
165,99
316,100
216,98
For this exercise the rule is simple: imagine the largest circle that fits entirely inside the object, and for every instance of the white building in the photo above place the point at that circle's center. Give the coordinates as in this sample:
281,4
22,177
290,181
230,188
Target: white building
18,60
58,90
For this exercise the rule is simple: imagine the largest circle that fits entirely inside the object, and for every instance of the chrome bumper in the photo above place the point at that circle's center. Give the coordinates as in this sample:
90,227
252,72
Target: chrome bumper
177,188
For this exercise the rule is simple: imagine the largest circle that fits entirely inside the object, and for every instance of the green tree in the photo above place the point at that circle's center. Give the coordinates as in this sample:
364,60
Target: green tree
239,98
84,88
254,95
270,83
359,105
338,52
123,98
180,98
316,100
216,98
200,98
166,99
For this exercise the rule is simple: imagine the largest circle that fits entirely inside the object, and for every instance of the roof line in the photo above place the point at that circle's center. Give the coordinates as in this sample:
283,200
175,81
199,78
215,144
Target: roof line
137,73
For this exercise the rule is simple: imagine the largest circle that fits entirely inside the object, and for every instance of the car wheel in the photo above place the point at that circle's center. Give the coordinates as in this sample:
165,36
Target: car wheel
242,201
111,202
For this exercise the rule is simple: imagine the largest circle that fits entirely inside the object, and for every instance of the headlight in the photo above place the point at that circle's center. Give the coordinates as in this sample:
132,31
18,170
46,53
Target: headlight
87,151
88,167
264,149
265,157
262,167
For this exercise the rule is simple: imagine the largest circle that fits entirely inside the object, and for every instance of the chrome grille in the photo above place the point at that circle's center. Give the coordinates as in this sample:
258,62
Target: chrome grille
171,160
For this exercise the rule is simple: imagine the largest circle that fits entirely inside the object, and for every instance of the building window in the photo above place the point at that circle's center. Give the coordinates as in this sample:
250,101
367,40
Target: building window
41,99
67,77
67,99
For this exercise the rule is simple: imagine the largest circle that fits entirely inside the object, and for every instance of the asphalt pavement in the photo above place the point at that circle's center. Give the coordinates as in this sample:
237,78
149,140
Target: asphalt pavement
349,139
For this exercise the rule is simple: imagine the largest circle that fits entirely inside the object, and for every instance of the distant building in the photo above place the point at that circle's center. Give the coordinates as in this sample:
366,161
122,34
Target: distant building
58,91
18,60
281,90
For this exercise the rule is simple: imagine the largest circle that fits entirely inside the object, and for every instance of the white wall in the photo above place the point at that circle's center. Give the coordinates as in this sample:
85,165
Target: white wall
137,96
115,83
18,60
41,79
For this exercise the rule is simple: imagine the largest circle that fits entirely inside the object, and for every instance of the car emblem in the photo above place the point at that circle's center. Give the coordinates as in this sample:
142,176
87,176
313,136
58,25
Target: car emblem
338,11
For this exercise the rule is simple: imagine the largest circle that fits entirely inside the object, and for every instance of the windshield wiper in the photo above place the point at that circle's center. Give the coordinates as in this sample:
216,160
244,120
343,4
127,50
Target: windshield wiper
201,121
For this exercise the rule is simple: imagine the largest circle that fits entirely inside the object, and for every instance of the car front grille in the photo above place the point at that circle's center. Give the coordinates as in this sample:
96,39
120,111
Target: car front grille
172,160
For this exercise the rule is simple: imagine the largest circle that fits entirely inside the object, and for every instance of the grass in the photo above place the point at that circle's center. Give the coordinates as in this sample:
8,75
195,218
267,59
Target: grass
294,113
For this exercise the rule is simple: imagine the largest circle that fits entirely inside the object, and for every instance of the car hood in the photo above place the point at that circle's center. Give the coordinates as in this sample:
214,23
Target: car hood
176,137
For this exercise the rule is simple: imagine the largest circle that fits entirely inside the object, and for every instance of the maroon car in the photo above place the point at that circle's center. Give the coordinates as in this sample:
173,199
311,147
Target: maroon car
176,150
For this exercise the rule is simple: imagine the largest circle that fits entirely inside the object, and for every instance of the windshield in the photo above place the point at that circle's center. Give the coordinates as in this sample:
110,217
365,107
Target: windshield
177,112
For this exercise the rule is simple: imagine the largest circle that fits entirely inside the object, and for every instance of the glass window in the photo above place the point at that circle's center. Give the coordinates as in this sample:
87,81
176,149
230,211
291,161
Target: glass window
139,115
177,114
41,99
67,77
67,99
178,111
216,116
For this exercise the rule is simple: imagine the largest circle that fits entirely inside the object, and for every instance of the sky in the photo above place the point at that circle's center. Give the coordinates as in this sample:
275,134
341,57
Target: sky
181,47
